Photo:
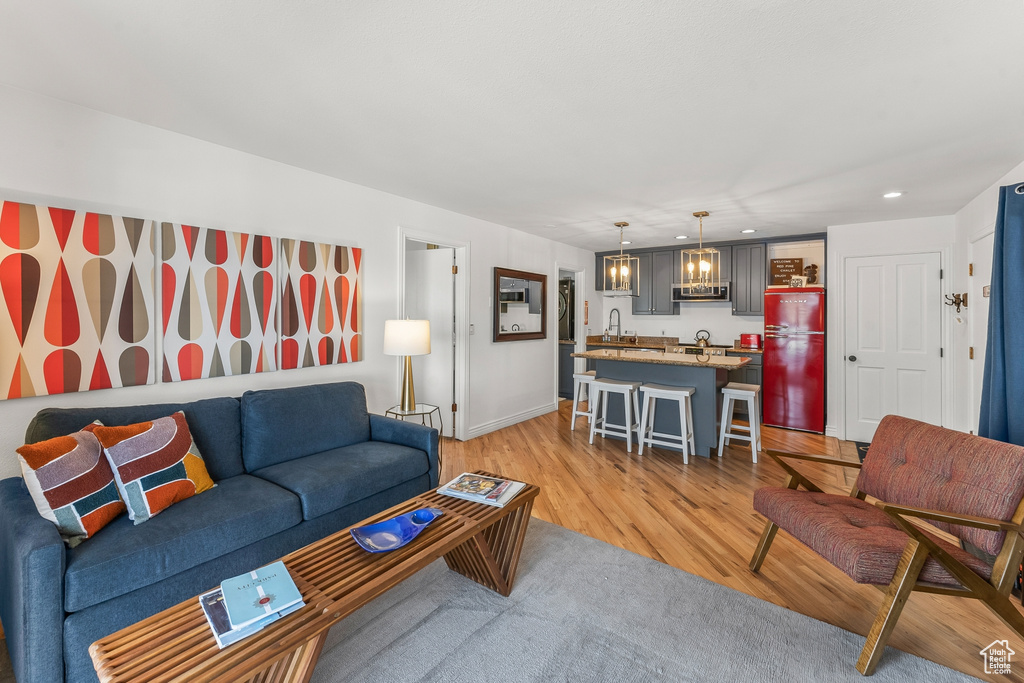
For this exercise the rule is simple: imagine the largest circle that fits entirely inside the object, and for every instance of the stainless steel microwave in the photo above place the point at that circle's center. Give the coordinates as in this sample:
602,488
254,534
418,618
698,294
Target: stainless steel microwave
696,293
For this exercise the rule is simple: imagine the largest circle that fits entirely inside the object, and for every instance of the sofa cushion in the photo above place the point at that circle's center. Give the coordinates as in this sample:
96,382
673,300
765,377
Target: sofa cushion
853,535
214,423
327,481
156,464
71,483
122,557
284,424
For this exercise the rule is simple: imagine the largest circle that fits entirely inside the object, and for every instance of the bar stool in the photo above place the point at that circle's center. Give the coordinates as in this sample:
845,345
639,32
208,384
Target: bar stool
579,380
601,388
732,392
647,435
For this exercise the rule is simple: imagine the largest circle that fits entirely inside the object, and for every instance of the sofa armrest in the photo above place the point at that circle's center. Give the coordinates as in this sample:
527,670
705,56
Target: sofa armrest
408,434
31,586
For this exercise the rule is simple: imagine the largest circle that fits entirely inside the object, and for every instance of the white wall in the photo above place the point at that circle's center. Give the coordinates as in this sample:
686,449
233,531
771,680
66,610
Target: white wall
68,156
972,222
914,235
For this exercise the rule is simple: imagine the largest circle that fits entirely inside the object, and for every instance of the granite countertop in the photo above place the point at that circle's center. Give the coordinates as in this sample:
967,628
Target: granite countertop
757,351
566,341
662,358
627,342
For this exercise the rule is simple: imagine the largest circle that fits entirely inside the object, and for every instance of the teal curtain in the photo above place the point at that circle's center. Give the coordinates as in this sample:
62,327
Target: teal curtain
1002,394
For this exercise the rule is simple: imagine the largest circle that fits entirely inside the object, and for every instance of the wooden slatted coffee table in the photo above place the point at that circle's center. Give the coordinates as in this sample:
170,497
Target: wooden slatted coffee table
336,577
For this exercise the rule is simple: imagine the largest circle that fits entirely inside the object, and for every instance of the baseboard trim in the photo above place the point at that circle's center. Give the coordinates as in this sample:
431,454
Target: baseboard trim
495,425
831,430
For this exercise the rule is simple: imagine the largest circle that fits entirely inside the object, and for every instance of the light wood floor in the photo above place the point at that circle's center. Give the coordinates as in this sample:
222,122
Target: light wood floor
699,518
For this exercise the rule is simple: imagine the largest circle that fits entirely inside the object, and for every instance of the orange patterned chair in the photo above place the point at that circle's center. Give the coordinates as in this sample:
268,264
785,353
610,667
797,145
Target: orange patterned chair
967,486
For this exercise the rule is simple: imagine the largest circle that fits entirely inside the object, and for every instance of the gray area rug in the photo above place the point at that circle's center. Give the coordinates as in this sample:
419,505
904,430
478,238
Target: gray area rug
583,610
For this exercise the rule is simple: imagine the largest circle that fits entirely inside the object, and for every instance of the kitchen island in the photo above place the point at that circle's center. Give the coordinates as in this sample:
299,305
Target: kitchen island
673,369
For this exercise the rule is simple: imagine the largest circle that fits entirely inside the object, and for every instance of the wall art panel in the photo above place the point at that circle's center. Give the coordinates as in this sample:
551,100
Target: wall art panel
219,312
321,304
77,300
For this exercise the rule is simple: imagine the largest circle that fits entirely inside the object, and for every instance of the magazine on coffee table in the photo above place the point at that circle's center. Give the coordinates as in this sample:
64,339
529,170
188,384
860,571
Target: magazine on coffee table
252,596
217,616
482,489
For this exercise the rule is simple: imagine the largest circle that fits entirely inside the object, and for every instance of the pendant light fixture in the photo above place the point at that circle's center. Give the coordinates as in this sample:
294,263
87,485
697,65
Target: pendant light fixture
621,270
701,266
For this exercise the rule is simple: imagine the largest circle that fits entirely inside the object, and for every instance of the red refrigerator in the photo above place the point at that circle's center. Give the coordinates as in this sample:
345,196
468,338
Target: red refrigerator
793,384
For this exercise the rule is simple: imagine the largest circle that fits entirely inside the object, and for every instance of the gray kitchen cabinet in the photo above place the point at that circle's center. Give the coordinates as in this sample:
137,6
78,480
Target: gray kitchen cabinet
642,302
565,369
748,278
748,374
656,277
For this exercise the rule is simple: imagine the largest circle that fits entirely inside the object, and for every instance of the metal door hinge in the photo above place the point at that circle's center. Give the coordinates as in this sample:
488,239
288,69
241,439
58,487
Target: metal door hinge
941,354
455,407
971,352
940,273
455,270
970,269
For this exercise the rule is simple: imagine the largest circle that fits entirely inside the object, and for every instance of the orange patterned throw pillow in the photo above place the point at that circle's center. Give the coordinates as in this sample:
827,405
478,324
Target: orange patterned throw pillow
71,483
156,464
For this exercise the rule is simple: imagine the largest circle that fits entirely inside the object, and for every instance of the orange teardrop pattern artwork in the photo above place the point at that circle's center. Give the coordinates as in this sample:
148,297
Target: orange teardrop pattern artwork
61,327
19,280
19,225
100,376
216,286
63,220
168,294
98,235
190,362
133,321
241,320
103,276
307,295
21,383
62,372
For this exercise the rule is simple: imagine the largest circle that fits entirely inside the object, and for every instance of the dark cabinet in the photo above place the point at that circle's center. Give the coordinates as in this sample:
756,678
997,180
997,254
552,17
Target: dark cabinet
656,277
565,369
748,374
748,279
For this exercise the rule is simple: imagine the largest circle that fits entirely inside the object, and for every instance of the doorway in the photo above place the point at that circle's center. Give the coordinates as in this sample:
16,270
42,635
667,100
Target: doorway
432,288
893,340
569,314
977,316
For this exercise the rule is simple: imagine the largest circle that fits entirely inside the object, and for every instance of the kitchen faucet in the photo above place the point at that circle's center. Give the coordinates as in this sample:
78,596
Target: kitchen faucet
616,324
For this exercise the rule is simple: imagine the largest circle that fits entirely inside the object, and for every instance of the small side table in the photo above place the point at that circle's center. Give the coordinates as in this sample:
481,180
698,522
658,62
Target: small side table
423,411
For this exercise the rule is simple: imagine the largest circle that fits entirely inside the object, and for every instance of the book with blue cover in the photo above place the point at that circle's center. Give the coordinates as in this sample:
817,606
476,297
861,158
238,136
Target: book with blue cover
259,593
217,616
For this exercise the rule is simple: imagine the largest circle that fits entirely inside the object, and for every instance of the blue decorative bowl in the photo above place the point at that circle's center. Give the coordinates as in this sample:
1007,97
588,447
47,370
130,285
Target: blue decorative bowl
395,532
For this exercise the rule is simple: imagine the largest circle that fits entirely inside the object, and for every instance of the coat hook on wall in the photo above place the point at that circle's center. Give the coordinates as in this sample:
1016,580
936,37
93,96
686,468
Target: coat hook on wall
957,300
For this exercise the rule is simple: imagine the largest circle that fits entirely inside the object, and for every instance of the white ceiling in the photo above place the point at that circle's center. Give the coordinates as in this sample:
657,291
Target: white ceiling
560,118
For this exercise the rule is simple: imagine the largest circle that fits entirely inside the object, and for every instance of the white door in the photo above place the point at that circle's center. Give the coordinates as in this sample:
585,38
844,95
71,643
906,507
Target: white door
977,315
430,295
893,341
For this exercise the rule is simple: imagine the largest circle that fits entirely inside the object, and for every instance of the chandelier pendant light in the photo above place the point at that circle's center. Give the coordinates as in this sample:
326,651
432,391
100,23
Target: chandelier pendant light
701,266
621,271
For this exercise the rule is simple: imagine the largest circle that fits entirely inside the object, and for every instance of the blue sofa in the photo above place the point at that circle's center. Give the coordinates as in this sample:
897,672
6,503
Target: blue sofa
291,466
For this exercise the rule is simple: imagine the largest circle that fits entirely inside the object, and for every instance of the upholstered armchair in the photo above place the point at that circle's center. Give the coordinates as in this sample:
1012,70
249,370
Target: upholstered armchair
965,485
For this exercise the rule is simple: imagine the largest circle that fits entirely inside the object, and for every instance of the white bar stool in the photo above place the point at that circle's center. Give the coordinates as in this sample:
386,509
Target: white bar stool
652,392
601,388
732,392
579,380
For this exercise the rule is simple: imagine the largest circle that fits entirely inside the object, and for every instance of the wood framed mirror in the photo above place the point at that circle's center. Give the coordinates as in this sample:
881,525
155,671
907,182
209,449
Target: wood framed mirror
520,305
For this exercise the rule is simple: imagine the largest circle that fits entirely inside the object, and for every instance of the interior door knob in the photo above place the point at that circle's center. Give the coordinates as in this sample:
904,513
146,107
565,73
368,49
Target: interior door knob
853,359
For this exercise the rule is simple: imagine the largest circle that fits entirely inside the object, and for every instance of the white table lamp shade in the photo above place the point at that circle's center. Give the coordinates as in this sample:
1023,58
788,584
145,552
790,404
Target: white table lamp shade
406,337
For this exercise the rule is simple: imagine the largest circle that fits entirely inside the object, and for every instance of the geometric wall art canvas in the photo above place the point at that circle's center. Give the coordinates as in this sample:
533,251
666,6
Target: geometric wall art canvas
77,290
218,303
320,304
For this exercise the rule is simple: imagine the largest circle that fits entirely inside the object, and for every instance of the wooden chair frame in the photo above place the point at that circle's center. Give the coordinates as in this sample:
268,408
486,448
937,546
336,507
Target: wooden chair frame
994,593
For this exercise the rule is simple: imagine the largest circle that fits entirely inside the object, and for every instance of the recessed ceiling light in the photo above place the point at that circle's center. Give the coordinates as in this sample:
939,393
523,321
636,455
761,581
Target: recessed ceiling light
682,237
748,231
626,242
892,195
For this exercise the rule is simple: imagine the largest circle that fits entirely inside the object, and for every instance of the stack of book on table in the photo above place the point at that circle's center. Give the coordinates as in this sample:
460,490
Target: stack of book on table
245,604
481,489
